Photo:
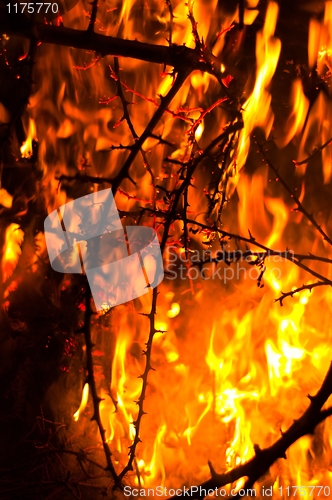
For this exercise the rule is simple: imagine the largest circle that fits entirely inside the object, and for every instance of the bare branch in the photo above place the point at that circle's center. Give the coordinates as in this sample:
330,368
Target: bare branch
179,57
316,151
265,458
93,16
92,385
147,353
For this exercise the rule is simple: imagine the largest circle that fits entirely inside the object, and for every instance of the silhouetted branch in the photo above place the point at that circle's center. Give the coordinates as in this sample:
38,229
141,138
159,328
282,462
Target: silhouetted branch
92,385
171,16
316,151
177,56
309,287
241,14
165,102
93,16
172,214
126,117
297,259
147,353
265,458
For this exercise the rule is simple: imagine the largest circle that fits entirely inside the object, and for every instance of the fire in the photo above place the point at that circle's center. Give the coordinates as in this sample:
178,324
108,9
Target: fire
84,401
225,360
257,108
296,121
317,129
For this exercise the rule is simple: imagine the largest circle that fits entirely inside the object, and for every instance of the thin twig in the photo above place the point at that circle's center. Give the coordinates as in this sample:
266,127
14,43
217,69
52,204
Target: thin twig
299,205
171,17
165,102
241,15
126,117
93,16
172,214
316,151
288,255
291,293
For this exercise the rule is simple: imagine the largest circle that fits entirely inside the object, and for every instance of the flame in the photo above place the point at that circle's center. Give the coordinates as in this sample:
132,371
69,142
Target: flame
84,401
26,148
174,310
6,199
300,107
325,40
317,130
11,250
257,110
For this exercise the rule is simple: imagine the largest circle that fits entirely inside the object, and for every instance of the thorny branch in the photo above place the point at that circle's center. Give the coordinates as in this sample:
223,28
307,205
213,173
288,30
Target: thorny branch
265,458
126,117
165,101
92,384
175,55
147,353
235,256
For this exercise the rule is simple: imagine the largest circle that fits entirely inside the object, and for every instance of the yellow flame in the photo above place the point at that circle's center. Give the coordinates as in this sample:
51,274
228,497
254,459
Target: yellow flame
84,401
174,310
300,106
26,148
257,111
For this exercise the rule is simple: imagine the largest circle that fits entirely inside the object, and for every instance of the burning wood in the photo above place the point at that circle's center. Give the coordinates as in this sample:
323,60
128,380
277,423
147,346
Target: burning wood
213,132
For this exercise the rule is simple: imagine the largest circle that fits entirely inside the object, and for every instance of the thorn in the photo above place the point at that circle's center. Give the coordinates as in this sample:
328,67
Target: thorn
257,449
212,470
